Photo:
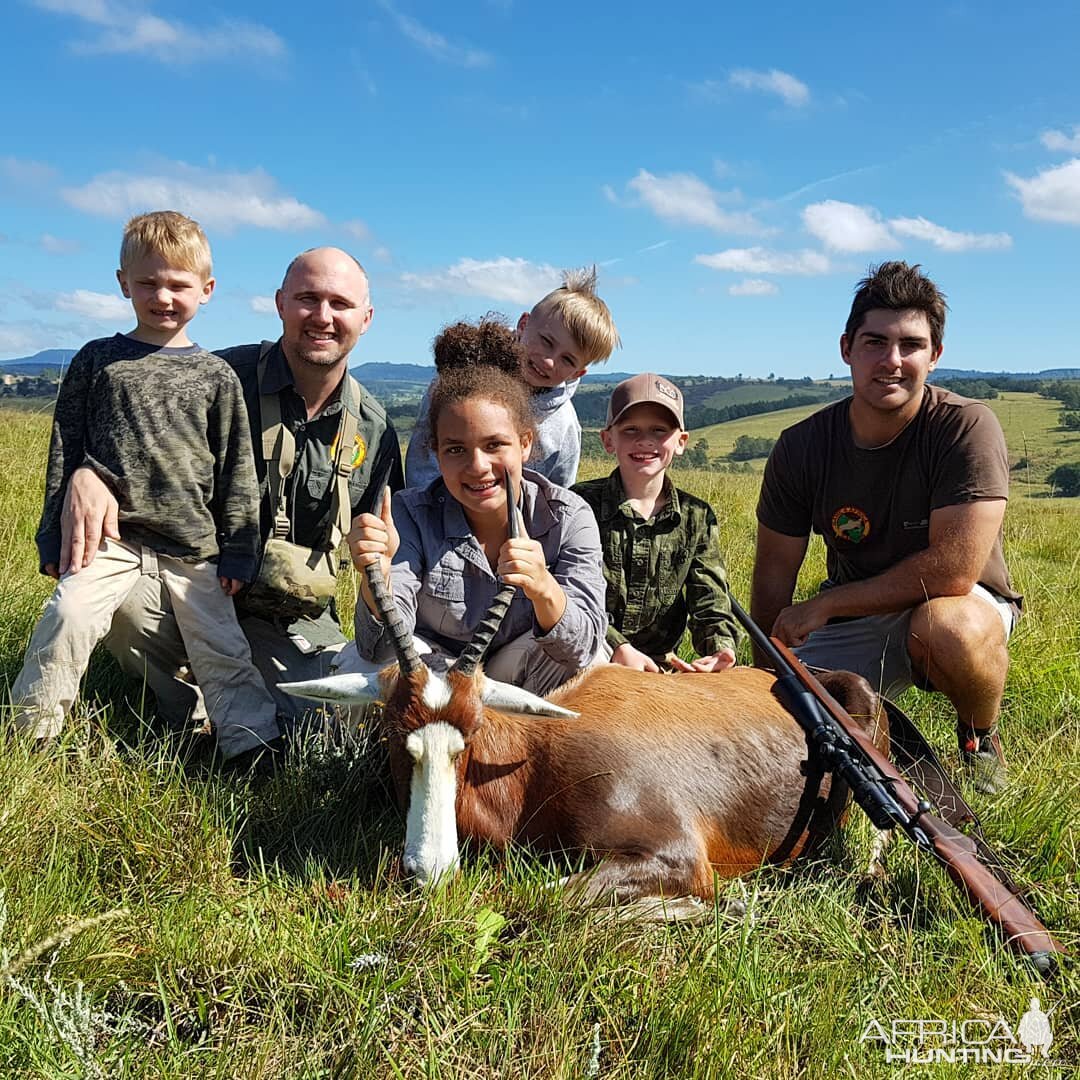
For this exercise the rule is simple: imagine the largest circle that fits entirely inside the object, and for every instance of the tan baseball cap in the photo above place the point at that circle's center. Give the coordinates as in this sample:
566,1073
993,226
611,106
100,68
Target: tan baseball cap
643,388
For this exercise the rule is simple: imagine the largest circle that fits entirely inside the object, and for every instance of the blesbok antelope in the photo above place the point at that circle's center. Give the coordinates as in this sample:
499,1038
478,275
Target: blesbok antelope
664,783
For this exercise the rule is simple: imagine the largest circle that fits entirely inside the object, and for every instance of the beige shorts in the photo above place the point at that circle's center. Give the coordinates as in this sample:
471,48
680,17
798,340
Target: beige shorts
875,646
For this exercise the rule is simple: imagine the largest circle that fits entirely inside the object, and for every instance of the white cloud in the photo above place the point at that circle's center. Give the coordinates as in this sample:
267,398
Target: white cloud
1051,195
948,240
516,280
130,28
23,173
18,339
793,91
843,226
96,11
262,305
383,253
357,229
102,307
57,245
610,194
434,44
758,260
217,200
684,199
1058,140
754,287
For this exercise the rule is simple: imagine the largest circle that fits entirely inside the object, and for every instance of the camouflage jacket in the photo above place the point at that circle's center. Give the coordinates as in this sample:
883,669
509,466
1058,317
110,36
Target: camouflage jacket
662,574
167,431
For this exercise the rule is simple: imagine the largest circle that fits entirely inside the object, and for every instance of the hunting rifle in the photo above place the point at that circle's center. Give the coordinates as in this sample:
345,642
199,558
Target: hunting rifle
844,749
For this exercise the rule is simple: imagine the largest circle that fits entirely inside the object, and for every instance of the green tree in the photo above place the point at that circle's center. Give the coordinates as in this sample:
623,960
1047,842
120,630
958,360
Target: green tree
1065,480
749,446
1070,421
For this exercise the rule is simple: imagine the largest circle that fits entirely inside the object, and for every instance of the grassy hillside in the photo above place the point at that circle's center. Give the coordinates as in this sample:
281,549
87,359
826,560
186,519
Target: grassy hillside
157,922
1030,423
762,391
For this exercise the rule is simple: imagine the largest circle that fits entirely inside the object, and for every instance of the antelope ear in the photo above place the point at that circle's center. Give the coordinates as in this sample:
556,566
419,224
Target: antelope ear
352,689
500,695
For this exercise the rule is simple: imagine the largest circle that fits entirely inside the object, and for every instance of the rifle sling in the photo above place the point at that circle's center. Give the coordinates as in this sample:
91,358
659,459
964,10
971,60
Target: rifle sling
917,761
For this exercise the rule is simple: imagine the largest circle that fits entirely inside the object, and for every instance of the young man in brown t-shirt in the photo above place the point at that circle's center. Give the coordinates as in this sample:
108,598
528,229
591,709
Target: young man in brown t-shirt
907,485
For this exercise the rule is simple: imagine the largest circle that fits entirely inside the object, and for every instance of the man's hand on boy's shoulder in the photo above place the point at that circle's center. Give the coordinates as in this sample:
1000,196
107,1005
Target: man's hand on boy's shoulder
717,661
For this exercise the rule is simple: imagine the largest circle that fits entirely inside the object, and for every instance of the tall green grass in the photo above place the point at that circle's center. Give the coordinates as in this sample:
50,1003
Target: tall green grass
163,922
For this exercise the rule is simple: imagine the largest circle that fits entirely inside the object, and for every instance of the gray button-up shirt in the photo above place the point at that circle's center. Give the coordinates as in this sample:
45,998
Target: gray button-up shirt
443,584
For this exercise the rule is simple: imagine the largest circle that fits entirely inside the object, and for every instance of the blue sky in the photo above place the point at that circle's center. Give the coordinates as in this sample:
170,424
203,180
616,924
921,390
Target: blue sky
732,172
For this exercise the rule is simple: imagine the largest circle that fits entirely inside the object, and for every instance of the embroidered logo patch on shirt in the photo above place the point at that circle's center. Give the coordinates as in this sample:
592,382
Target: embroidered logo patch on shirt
359,450
851,523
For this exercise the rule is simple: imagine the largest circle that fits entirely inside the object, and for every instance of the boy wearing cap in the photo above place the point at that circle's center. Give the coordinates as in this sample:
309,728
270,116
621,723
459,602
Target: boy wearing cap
662,560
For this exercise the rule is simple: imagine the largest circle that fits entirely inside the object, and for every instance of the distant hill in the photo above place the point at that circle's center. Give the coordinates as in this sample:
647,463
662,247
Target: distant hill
942,374
697,388
47,360
408,373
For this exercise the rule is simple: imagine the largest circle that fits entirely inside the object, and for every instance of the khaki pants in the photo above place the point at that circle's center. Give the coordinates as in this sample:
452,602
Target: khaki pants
146,641
79,615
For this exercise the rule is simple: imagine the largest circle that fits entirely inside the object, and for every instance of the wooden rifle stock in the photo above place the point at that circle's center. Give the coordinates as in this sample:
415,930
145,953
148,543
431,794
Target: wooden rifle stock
1017,923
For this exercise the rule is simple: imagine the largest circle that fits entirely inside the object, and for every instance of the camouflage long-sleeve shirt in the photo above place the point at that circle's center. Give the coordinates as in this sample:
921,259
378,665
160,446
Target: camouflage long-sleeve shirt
167,430
662,574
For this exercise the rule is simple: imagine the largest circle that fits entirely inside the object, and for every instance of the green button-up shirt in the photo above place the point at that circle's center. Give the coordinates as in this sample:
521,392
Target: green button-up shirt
662,574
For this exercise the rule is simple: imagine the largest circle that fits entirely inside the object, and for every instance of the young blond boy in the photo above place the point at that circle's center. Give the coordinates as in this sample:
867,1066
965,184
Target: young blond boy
567,331
163,423
662,561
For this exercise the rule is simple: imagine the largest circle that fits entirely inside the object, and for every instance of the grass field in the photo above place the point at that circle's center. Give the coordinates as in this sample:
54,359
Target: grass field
157,922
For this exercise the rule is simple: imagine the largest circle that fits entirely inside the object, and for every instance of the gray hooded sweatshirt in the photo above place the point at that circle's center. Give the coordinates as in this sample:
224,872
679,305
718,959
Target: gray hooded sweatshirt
555,454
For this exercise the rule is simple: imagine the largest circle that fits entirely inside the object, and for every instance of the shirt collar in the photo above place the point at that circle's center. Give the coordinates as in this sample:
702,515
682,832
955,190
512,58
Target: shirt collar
614,501
539,516
279,377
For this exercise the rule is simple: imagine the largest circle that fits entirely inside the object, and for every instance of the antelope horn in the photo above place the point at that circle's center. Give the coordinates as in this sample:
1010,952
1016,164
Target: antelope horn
489,625
408,660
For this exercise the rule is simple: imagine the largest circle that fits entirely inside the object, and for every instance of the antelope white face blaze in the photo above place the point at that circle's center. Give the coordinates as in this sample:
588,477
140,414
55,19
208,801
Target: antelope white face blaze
436,692
431,840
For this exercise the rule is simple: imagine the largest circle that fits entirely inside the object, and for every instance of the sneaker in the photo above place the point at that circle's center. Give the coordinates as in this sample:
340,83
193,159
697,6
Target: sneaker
980,754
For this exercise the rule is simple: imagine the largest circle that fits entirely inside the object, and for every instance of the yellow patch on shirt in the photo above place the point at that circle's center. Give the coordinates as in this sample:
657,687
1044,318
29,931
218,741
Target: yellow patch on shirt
359,450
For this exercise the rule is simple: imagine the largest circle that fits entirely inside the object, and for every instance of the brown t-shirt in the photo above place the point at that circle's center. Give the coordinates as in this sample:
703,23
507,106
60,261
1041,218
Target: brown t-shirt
872,507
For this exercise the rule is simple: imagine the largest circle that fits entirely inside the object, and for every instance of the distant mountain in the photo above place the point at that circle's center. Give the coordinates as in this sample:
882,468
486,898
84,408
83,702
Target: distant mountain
403,375
47,360
376,372
1049,373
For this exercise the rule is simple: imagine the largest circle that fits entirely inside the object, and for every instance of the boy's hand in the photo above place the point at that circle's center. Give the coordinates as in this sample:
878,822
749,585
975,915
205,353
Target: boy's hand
230,585
628,656
89,513
717,661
